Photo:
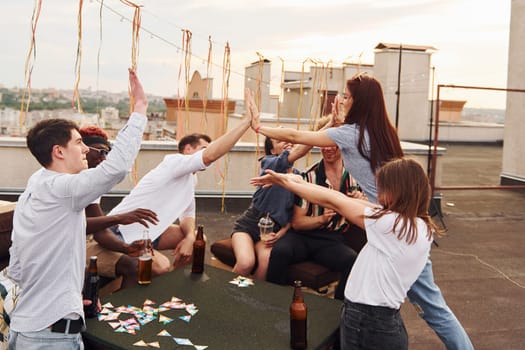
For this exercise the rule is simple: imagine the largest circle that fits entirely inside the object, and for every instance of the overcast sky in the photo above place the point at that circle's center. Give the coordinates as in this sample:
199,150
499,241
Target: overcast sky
471,37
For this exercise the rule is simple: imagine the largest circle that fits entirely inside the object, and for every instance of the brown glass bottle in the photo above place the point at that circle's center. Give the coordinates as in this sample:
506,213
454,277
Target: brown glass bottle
199,247
298,316
91,284
145,261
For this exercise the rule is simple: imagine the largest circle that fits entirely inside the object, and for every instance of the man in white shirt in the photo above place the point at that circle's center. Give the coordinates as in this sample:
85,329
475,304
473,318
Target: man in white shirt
49,227
168,190
115,258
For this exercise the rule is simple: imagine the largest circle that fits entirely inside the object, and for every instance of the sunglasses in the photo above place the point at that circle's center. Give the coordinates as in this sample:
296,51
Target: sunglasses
101,152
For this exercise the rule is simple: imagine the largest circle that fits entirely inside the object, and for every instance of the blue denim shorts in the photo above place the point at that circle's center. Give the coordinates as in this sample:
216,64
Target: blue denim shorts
249,222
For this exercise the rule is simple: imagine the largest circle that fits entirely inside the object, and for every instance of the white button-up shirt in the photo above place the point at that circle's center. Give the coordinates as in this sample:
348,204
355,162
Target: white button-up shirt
49,233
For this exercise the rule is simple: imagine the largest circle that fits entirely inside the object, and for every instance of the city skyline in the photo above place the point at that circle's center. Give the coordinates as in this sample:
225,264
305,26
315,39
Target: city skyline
471,38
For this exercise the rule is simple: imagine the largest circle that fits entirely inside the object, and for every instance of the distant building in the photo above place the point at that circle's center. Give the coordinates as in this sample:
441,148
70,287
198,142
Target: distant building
200,88
198,112
450,111
257,78
109,117
309,95
189,116
513,169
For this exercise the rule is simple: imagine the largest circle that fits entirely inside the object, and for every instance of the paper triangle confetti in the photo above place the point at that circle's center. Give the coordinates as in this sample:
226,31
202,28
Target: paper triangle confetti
191,309
163,333
186,318
201,347
183,341
154,344
165,320
141,343
114,324
241,281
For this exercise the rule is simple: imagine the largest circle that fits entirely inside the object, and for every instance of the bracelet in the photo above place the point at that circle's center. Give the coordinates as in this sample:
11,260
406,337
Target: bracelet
258,128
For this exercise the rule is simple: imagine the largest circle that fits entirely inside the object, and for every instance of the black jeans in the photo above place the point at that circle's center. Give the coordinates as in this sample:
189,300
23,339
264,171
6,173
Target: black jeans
323,247
367,327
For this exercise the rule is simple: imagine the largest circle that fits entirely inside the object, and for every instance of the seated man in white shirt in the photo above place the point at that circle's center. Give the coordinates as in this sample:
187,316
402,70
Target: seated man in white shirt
115,257
49,227
168,190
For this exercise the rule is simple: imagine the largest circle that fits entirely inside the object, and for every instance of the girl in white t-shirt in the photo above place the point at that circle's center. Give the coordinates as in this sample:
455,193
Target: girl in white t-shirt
399,233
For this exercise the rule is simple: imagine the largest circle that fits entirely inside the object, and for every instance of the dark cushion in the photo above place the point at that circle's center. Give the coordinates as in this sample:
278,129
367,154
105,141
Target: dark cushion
223,251
312,275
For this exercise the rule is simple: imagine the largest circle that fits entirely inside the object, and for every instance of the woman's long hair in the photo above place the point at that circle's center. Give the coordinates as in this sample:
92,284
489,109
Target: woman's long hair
368,111
404,189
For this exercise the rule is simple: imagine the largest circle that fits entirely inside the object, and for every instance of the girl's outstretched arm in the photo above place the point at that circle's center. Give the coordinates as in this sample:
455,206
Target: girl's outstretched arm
352,209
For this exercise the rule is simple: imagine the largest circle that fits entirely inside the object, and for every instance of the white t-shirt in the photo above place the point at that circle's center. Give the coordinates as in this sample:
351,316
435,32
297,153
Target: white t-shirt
48,254
386,267
168,190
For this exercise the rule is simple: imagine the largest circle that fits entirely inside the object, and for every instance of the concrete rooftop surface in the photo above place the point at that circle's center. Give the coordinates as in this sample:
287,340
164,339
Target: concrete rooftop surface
479,265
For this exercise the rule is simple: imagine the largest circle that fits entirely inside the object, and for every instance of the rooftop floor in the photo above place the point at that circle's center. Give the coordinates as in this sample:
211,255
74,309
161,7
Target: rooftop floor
479,265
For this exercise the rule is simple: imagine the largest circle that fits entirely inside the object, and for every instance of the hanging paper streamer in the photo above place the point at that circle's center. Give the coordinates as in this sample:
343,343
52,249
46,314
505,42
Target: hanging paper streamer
260,70
180,130
207,87
30,60
134,56
258,102
78,61
134,41
281,95
314,98
186,53
186,48
226,64
301,92
135,32
99,44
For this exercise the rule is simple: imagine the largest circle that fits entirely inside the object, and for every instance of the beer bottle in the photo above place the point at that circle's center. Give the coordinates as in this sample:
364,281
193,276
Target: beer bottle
145,261
91,284
298,311
199,247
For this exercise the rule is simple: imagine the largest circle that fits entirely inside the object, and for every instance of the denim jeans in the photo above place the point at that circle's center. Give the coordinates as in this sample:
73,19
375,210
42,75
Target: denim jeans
44,339
367,327
434,310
